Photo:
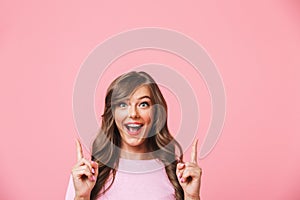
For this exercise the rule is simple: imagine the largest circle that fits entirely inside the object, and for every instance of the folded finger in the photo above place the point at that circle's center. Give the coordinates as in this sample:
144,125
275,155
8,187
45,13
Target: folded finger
180,166
179,169
83,171
85,162
94,168
190,173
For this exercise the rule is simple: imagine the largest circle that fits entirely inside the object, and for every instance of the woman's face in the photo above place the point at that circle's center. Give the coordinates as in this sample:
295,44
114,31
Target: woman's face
133,119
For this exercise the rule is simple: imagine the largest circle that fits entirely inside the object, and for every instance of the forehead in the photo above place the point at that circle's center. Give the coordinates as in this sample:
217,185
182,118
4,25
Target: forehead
141,92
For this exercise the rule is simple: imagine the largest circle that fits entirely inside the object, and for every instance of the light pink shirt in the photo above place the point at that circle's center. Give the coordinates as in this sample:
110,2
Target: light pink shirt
136,179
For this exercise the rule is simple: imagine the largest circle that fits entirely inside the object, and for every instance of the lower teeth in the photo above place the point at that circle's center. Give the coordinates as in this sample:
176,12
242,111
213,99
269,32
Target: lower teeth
131,129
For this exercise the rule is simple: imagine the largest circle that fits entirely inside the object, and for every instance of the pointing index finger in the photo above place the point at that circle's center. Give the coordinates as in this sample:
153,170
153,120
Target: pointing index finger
194,158
79,150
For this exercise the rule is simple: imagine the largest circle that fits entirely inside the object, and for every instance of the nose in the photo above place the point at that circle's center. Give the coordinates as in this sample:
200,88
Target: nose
132,112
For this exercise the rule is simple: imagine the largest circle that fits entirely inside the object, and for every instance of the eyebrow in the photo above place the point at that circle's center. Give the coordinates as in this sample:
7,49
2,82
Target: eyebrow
144,97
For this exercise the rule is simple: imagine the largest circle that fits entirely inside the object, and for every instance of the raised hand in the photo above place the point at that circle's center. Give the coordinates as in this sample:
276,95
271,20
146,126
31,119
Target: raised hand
189,175
84,174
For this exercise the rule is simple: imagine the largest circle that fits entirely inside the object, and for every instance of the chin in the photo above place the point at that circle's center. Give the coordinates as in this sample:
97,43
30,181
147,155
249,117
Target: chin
134,142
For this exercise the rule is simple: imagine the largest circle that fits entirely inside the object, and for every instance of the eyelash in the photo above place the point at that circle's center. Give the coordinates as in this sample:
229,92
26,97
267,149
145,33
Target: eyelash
147,104
123,105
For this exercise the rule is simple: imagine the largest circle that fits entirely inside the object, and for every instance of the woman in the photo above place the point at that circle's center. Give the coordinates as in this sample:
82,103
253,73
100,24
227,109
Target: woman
134,133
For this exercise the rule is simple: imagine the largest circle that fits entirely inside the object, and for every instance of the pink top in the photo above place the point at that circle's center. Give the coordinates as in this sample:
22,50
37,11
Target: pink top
136,179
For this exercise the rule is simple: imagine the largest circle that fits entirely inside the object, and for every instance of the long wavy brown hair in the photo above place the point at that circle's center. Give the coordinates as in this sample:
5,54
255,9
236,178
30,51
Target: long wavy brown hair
107,144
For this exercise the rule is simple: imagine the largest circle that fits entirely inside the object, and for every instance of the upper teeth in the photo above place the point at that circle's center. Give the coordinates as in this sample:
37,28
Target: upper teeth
133,125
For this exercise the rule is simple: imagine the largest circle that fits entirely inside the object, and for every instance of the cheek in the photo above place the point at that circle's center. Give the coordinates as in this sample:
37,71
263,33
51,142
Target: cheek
147,116
119,116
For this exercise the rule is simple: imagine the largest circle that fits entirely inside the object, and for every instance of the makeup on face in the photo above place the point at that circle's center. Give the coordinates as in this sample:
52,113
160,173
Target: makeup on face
133,119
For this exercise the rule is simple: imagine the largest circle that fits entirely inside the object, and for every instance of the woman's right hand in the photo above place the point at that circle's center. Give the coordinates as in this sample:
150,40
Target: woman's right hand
84,174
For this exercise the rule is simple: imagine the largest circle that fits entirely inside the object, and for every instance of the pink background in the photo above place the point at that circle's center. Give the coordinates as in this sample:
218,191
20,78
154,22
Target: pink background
255,45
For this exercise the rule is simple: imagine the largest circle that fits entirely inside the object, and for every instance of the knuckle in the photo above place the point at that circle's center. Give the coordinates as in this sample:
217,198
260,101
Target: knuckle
74,168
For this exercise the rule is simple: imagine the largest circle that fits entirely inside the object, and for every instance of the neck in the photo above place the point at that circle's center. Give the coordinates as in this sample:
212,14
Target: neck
135,153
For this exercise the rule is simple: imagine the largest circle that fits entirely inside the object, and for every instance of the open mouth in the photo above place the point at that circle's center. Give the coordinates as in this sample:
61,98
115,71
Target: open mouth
133,129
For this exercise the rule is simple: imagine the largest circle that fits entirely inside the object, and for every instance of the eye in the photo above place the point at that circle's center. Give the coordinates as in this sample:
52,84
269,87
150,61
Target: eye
122,105
144,105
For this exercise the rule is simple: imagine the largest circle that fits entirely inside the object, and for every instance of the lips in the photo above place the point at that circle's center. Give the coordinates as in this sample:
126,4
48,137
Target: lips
133,128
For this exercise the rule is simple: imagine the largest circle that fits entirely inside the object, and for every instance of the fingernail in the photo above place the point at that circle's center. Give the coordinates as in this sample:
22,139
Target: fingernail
94,163
93,171
179,175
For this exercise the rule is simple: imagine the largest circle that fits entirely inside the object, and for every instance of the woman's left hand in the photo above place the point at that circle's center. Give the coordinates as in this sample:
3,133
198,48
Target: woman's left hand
189,175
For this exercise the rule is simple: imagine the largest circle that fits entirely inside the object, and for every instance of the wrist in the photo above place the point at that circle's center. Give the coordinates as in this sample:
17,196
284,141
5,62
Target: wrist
81,198
191,197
